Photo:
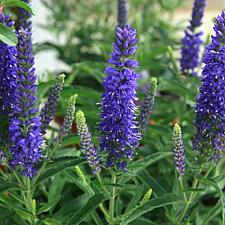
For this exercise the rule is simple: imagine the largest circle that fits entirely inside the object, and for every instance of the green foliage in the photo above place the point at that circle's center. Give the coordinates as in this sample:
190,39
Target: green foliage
16,3
7,35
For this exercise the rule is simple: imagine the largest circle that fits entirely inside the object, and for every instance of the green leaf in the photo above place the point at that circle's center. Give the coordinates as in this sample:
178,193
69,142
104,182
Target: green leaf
18,3
212,213
166,199
50,221
157,188
97,218
59,165
44,87
70,140
71,206
136,198
147,161
22,212
6,186
7,35
175,86
143,221
91,205
220,192
49,205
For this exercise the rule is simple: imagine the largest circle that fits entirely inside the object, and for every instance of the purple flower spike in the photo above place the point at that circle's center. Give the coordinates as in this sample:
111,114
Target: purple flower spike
8,73
178,148
210,108
197,14
25,135
190,44
118,126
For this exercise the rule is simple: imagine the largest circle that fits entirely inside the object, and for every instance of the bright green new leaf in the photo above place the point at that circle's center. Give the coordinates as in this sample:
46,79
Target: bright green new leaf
7,35
17,3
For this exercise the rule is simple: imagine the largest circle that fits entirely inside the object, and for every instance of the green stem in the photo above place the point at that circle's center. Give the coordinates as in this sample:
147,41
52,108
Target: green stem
83,178
101,183
193,193
112,200
188,202
182,187
29,199
51,153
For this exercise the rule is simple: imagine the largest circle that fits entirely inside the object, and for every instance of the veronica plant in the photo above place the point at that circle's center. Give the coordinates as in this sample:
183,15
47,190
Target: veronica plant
102,176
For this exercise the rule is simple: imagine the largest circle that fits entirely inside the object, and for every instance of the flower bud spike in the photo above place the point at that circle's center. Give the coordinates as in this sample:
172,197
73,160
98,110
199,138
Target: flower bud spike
146,197
178,148
147,106
87,146
47,113
69,117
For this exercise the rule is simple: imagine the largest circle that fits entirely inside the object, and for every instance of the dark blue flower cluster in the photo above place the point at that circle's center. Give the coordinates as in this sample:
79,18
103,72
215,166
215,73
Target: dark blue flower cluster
8,70
25,135
210,118
190,44
119,128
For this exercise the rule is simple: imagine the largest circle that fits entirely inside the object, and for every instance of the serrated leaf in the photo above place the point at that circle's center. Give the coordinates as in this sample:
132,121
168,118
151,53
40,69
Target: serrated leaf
7,35
18,3
91,205
166,199
59,165
48,206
